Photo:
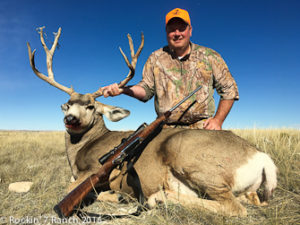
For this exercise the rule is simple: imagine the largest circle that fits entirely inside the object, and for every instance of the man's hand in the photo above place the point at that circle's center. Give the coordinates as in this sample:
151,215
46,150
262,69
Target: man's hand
212,124
215,123
134,91
111,90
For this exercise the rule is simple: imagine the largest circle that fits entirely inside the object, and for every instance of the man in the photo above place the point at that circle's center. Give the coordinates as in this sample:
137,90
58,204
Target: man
173,71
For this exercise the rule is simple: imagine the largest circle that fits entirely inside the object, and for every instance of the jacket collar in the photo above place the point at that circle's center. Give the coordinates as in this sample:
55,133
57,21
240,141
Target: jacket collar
174,56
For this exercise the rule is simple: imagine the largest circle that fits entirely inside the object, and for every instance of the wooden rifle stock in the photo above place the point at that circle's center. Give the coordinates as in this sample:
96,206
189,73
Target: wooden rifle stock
65,207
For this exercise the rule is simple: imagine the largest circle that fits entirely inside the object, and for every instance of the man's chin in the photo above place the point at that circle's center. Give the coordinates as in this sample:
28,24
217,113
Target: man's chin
177,45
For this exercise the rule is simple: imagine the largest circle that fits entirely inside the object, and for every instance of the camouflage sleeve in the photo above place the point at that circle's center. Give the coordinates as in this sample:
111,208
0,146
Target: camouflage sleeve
223,80
148,79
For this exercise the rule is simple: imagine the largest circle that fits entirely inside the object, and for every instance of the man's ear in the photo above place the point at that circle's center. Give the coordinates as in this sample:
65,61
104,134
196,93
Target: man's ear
111,112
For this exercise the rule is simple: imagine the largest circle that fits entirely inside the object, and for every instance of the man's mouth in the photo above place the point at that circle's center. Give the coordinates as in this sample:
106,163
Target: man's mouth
177,40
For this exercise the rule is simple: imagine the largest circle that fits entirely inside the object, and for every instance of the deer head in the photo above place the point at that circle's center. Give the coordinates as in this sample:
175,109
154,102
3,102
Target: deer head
82,110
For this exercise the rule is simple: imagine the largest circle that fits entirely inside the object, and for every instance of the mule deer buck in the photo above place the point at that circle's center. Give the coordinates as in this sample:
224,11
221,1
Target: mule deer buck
179,165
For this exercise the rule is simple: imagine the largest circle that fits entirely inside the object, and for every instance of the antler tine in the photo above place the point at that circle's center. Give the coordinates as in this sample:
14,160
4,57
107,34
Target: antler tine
134,58
130,45
126,59
131,66
49,56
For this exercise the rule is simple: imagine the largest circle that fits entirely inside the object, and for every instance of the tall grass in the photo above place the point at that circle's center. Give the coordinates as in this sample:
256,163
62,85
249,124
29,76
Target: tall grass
32,156
40,157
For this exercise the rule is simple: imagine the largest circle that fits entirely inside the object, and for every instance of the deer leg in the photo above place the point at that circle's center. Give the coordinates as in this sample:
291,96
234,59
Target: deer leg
231,206
119,183
251,197
254,199
227,207
109,196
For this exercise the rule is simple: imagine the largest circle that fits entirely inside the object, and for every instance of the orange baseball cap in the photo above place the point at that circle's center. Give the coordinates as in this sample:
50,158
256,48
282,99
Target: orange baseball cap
179,13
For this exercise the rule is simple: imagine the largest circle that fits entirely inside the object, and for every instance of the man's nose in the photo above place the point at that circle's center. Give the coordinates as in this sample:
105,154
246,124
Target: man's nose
177,32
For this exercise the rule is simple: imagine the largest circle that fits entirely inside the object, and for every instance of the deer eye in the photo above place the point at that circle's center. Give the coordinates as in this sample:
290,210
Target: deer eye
90,107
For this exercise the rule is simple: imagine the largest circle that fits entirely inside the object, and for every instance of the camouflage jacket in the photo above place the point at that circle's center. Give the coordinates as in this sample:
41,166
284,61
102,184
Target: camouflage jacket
170,80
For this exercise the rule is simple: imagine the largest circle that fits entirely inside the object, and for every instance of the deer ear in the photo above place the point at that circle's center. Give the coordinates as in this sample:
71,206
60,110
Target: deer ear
111,112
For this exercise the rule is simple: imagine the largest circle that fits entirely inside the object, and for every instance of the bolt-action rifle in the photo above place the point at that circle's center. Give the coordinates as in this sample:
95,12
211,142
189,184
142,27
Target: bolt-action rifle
127,150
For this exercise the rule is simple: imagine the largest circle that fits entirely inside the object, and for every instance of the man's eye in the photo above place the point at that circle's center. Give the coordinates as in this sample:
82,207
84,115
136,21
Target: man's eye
181,29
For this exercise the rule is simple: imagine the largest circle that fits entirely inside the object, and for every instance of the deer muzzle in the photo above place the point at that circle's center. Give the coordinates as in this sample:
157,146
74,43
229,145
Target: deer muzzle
71,122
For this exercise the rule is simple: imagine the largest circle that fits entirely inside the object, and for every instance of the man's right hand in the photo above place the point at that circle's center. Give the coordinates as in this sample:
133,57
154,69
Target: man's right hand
111,90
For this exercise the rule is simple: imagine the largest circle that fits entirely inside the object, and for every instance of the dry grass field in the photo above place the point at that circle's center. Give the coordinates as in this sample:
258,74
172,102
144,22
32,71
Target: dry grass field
40,157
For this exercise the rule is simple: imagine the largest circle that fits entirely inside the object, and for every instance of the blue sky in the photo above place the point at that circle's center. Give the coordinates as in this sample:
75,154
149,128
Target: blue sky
259,41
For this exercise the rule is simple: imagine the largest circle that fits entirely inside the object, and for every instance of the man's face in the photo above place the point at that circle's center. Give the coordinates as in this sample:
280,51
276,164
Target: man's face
178,33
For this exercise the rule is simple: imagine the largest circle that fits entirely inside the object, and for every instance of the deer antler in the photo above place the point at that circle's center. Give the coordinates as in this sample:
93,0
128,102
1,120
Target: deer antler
131,65
49,55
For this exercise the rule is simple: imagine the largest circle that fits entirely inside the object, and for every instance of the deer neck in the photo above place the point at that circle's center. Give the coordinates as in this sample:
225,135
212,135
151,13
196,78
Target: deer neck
76,143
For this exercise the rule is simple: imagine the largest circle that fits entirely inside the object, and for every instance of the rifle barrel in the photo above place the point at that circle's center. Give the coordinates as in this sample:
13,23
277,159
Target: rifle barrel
187,97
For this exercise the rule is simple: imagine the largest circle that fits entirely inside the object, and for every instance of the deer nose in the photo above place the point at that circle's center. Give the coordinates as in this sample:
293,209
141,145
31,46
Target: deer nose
70,119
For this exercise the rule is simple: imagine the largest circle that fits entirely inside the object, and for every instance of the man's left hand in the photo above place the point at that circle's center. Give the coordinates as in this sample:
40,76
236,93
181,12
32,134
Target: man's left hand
212,124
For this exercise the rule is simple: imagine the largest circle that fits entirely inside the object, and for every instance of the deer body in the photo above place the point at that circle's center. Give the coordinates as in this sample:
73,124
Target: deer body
184,163
179,164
